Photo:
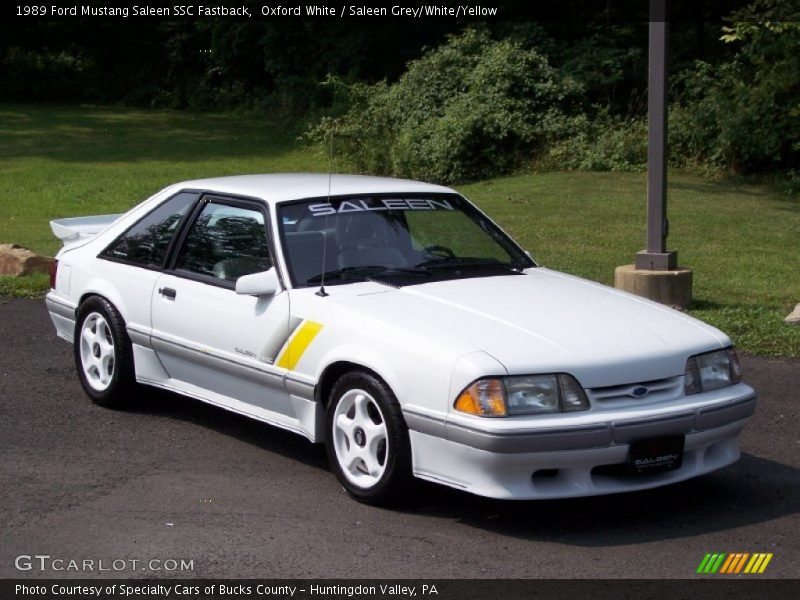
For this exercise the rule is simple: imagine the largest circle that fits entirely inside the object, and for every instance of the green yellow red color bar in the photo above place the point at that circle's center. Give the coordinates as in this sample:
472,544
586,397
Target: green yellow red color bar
720,562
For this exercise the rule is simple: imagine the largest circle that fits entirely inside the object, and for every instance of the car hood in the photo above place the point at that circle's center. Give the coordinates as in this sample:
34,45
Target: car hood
545,321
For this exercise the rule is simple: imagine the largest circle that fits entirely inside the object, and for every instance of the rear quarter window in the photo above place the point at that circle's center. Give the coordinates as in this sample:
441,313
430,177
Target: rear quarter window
146,242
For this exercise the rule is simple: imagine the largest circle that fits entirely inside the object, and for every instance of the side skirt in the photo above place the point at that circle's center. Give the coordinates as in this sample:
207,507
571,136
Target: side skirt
231,404
309,421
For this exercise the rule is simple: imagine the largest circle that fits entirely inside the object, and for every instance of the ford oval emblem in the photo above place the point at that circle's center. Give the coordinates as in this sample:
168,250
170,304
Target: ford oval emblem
640,391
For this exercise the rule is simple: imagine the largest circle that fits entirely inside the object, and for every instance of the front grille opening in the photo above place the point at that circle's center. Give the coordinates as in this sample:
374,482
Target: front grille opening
623,471
657,390
544,474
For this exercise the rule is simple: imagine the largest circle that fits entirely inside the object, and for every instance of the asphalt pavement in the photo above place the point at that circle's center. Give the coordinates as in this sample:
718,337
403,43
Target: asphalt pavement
176,479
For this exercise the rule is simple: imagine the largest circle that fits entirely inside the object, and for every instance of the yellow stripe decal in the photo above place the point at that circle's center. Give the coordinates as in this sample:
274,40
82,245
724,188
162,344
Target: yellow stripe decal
759,559
301,340
763,566
753,561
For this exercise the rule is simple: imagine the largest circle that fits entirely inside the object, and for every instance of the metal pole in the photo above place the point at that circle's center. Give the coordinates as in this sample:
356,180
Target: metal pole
656,257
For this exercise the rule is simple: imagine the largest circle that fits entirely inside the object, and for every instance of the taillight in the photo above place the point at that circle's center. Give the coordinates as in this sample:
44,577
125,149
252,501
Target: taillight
53,273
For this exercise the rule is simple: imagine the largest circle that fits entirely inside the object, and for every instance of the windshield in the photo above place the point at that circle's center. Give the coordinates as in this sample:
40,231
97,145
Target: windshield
405,239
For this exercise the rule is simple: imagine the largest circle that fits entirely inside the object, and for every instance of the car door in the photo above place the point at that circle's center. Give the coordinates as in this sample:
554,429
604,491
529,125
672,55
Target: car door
133,261
213,342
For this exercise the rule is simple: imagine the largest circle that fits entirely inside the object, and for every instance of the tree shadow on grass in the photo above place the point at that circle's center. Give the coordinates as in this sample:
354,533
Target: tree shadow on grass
712,187
101,134
769,190
791,205
703,304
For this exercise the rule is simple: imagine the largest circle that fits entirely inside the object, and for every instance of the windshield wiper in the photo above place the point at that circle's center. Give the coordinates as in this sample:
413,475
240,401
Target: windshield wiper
458,262
367,271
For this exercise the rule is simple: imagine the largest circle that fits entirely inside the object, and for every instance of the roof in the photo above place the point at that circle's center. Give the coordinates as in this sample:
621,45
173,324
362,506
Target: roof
294,186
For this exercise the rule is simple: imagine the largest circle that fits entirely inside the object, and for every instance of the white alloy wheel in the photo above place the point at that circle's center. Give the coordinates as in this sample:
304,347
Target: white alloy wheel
97,351
360,438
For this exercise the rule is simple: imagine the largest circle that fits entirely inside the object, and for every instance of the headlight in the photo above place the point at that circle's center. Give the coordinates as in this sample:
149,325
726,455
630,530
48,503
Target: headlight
522,395
712,370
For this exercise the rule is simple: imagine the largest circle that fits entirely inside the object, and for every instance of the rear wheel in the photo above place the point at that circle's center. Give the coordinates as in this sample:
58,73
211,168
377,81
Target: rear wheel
368,446
103,353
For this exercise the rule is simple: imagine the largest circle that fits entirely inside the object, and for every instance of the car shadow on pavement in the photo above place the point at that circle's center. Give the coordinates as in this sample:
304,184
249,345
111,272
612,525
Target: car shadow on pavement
164,404
754,490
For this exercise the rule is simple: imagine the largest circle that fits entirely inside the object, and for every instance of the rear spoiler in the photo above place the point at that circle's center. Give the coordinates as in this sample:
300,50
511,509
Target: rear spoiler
81,228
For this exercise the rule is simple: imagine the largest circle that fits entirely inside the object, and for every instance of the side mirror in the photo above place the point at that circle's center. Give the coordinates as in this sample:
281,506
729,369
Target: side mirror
264,283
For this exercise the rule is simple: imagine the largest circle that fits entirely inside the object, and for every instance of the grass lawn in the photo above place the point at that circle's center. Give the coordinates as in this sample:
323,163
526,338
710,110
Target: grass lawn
741,240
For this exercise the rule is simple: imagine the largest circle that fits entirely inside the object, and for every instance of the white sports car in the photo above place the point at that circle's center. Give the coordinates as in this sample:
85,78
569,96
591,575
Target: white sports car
397,323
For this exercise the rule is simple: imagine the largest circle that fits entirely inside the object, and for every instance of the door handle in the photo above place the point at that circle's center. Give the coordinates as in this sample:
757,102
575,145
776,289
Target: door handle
168,292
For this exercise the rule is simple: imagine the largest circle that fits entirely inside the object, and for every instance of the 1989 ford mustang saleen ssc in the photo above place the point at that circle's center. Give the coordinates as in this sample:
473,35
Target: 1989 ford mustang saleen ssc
397,323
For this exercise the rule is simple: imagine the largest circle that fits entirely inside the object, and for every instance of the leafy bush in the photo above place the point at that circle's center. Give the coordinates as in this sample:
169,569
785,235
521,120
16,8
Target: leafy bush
611,64
469,109
604,144
49,76
792,183
743,115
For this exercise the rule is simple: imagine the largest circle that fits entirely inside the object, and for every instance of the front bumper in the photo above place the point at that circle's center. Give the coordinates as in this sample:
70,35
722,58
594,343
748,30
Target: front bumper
569,457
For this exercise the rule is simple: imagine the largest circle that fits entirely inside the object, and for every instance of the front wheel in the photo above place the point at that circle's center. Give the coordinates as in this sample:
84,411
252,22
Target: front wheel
368,446
103,353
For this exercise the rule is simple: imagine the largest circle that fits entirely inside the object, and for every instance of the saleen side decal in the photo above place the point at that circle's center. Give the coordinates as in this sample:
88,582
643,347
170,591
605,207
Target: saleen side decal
299,342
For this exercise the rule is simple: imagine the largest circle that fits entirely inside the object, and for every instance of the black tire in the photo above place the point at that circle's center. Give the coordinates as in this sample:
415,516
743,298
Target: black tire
121,385
392,487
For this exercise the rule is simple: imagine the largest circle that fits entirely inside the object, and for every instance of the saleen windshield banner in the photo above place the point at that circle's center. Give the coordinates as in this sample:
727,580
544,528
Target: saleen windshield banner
378,204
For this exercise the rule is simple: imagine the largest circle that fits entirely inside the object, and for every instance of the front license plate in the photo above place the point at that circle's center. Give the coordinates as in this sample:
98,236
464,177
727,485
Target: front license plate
656,455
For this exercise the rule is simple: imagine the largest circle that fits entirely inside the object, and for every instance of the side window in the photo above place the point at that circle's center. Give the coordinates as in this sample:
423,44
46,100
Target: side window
225,242
146,242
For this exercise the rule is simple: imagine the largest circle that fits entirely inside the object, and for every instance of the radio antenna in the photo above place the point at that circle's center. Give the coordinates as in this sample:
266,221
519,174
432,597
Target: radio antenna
321,292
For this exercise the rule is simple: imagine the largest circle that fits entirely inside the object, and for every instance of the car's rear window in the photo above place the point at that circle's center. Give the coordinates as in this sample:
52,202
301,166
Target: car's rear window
146,242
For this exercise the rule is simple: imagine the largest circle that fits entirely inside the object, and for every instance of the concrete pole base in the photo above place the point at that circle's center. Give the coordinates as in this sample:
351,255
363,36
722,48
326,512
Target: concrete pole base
673,287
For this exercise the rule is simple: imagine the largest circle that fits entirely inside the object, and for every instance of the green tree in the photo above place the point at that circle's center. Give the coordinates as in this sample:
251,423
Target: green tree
471,108
743,114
